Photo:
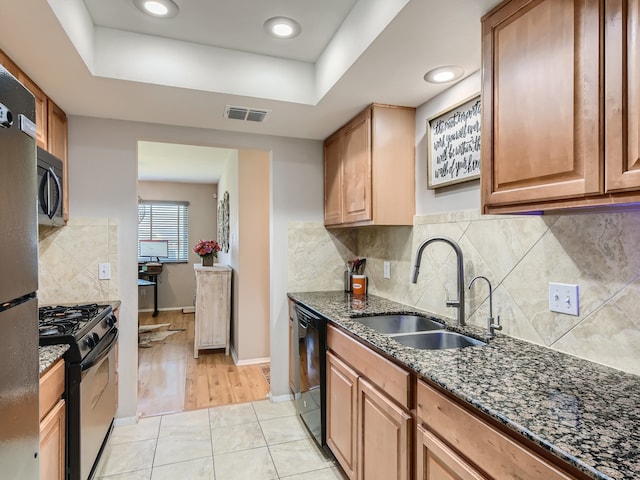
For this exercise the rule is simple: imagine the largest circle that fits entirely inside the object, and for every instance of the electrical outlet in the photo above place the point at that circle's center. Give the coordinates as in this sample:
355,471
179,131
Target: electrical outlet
387,269
563,298
104,271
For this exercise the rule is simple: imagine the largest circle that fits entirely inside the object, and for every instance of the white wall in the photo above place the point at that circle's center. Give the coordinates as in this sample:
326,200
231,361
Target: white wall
461,196
103,183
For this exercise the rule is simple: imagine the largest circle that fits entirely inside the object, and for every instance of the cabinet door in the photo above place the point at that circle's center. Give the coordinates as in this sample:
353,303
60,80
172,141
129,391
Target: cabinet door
436,461
42,103
542,137
333,179
342,413
212,310
622,98
356,169
7,63
41,98
384,436
52,442
57,145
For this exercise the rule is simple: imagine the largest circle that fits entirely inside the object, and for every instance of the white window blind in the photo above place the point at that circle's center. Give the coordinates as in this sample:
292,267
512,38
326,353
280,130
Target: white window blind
162,220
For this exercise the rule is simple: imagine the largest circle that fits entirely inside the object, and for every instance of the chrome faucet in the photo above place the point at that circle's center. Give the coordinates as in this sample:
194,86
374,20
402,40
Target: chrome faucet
459,304
491,327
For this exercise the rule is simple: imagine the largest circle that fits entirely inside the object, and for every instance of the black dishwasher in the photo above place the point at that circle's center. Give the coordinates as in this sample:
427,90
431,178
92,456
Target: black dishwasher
312,353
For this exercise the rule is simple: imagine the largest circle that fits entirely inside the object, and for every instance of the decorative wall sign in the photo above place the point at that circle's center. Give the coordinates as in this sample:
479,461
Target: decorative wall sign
220,220
223,222
453,150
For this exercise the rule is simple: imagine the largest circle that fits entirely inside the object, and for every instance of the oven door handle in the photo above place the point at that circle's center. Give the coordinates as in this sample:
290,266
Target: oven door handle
100,353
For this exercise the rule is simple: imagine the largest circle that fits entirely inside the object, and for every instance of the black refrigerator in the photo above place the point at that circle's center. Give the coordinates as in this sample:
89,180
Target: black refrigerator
19,370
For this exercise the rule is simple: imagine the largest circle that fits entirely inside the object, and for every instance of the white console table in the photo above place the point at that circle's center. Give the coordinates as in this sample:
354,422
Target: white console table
213,308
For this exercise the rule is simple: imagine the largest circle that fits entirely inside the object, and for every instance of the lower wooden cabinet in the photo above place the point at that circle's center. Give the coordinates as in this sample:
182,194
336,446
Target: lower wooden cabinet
52,443
436,461
457,444
372,410
213,308
52,423
384,436
342,413
369,426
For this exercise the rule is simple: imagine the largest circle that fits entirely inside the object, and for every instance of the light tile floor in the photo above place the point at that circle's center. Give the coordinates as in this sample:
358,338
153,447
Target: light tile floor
247,441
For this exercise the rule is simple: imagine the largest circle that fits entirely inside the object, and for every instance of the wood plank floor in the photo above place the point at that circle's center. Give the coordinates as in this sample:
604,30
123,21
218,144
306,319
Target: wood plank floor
171,380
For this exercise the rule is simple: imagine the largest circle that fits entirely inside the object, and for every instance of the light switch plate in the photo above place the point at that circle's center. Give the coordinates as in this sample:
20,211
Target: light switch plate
387,270
563,298
104,271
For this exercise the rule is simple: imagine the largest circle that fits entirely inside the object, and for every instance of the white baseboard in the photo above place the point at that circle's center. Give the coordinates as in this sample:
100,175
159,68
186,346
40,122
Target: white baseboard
118,422
188,309
280,398
250,361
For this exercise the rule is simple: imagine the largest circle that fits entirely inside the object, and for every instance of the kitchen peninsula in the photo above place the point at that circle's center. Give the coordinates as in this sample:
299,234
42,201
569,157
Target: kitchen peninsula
580,412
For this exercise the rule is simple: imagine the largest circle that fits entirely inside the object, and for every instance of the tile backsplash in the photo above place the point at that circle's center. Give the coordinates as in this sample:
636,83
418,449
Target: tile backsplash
68,259
520,255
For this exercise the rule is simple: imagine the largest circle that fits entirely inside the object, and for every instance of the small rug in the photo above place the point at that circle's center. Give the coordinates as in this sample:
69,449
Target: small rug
148,328
145,338
266,371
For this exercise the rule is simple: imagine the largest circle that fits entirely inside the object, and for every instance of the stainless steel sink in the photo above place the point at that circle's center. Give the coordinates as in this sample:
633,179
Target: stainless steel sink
437,340
393,324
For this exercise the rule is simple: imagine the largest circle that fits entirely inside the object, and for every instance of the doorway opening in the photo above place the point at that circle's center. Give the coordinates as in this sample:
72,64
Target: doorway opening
170,379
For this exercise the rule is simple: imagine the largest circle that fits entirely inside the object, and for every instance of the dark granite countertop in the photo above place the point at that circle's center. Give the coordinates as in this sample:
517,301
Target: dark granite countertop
584,413
49,354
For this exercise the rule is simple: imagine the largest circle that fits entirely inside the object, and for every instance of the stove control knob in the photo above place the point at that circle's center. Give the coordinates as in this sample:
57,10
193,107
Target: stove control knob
111,321
90,341
96,338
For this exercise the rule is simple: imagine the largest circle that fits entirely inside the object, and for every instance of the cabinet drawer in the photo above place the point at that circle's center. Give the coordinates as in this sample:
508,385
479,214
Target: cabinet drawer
489,449
390,378
51,387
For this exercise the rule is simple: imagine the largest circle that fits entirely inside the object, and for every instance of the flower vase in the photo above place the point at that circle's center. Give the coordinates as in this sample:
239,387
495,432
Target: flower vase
207,260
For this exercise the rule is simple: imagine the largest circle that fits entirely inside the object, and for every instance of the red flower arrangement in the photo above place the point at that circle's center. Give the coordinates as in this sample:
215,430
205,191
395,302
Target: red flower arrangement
206,248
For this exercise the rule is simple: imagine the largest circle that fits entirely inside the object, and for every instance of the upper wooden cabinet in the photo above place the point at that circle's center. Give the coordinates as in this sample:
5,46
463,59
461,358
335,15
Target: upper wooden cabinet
51,124
56,131
42,106
57,145
560,125
369,169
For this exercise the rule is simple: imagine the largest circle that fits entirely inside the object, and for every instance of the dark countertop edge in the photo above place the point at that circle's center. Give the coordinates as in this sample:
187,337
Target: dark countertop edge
49,355
473,331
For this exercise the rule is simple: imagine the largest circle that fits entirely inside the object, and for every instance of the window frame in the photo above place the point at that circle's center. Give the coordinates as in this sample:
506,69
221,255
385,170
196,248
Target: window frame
178,238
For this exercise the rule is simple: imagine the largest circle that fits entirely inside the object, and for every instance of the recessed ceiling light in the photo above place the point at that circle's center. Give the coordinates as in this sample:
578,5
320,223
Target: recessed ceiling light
282,27
444,74
157,8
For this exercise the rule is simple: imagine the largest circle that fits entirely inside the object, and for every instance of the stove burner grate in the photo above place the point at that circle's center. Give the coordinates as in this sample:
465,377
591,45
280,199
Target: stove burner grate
82,312
66,320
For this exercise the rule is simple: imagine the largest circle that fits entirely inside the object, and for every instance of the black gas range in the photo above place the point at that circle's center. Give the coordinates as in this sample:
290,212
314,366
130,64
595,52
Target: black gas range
79,326
91,332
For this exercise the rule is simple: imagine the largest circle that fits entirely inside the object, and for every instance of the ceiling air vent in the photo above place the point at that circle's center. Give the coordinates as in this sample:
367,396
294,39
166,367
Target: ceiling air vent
244,113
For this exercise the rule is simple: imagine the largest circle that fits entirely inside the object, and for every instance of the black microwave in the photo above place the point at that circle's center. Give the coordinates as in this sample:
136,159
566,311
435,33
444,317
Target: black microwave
50,189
